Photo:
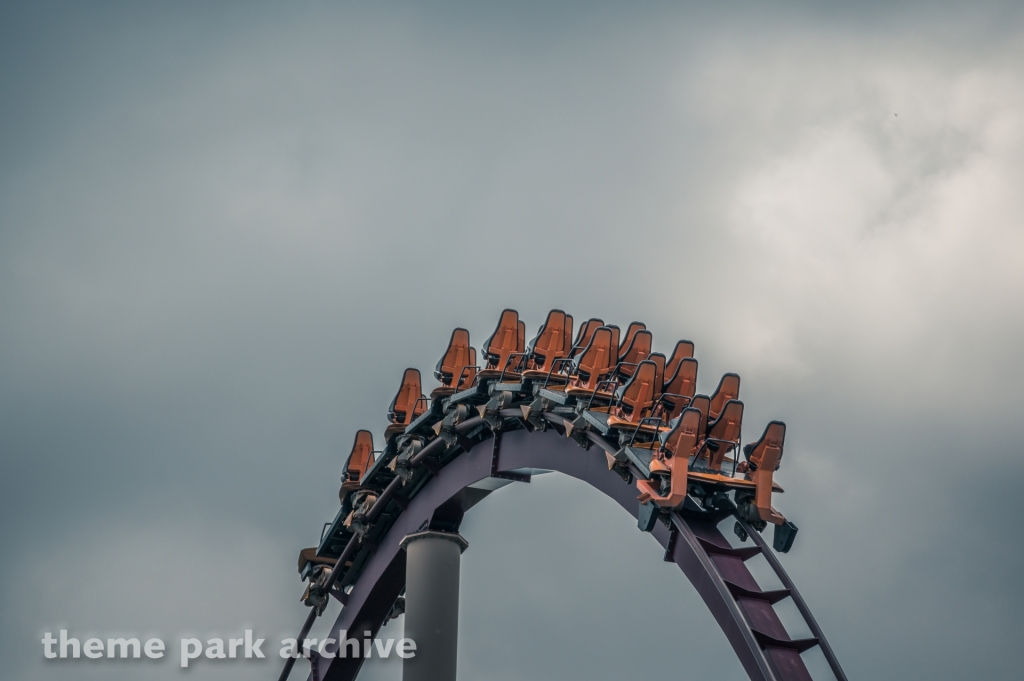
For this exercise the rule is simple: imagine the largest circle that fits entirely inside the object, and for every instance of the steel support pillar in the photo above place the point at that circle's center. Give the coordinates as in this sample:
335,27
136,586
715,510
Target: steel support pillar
432,604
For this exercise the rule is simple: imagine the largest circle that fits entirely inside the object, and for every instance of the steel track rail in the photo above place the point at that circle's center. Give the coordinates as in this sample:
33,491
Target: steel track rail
742,609
801,604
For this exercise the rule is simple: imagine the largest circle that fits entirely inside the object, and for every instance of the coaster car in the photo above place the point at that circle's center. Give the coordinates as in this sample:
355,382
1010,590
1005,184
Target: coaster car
586,332
308,559
317,570
503,352
635,399
679,387
359,461
659,375
702,403
669,465
362,501
723,434
457,368
616,332
409,403
763,458
593,364
636,349
683,350
631,331
728,389
552,343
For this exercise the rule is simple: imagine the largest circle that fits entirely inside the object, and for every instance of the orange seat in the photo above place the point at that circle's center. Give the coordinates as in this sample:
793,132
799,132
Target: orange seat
409,402
764,458
659,376
679,388
631,331
635,399
701,403
683,349
637,348
684,435
567,341
508,339
676,447
586,332
551,342
457,368
359,461
614,344
724,433
594,362
728,389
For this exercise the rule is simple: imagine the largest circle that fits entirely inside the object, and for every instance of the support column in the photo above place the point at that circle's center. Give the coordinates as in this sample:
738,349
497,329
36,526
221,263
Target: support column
432,604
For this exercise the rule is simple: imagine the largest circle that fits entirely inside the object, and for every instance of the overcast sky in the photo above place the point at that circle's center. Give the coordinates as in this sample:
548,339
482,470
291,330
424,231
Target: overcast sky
226,230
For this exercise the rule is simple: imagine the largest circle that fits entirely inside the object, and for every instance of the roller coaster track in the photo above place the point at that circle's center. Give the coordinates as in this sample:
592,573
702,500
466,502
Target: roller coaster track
455,470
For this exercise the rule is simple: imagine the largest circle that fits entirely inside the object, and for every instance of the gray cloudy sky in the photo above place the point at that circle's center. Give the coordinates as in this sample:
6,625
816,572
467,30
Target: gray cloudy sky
225,230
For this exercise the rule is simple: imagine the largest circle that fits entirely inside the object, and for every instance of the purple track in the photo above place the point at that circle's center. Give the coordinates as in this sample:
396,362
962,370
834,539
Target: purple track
743,610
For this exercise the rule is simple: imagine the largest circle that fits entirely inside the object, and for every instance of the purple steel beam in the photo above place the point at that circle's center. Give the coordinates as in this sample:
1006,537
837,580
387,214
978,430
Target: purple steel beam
801,605
715,569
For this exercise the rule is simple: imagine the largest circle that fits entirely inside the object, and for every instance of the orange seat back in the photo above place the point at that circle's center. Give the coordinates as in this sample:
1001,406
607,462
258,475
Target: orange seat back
764,457
586,332
615,343
361,457
637,349
728,389
683,382
631,331
766,453
508,338
659,376
682,440
458,356
726,427
701,403
596,360
568,335
550,343
683,349
409,401
636,397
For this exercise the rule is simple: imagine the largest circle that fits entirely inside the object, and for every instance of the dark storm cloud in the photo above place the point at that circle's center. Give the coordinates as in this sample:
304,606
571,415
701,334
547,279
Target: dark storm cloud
226,230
